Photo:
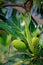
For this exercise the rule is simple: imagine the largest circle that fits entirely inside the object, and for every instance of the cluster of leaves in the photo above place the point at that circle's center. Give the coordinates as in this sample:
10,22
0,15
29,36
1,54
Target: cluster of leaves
22,34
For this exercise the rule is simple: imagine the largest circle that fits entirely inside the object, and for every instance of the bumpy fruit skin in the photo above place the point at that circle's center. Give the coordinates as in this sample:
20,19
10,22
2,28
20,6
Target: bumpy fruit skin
35,40
19,45
36,45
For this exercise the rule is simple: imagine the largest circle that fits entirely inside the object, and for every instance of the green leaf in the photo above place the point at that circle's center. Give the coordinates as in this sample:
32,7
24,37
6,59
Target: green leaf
41,40
32,27
8,40
28,36
1,40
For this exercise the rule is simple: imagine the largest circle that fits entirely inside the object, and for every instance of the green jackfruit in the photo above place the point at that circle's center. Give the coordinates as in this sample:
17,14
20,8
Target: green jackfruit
36,45
35,41
19,45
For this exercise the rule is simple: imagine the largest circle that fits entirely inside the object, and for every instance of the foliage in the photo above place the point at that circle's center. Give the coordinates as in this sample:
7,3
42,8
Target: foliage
20,45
